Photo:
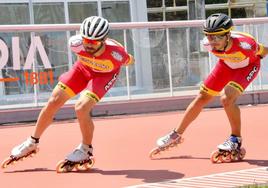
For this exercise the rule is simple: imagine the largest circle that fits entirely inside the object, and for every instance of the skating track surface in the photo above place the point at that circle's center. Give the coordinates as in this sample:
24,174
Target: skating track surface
121,148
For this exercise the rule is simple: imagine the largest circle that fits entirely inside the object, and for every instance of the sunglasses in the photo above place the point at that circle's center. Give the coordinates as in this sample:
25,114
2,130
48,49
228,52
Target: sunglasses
215,37
89,41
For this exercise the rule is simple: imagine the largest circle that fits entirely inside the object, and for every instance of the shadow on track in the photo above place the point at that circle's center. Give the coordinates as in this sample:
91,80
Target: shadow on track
147,176
256,162
31,170
179,157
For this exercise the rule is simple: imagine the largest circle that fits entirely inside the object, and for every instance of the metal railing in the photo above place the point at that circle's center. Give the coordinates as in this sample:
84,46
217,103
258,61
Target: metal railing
134,28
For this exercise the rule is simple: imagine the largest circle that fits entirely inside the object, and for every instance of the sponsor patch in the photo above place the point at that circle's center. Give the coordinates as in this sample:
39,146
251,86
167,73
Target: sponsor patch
97,64
110,83
63,87
117,56
92,96
76,40
252,73
245,45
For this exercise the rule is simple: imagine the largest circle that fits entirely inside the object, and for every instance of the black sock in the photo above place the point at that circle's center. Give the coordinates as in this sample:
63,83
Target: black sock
90,152
35,139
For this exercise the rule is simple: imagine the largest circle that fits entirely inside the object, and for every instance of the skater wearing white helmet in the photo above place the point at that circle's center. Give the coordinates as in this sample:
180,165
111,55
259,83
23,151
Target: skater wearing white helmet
95,72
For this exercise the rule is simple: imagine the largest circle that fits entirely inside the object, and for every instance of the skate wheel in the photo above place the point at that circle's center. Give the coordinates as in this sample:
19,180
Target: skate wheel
6,162
215,157
242,153
61,167
85,166
90,163
81,167
226,157
234,156
22,159
154,152
34,152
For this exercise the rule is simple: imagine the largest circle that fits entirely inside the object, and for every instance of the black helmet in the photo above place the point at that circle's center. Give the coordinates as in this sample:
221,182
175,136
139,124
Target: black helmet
218,24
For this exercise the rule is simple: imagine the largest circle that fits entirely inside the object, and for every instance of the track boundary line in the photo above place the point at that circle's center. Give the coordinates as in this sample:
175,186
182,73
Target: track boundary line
218,180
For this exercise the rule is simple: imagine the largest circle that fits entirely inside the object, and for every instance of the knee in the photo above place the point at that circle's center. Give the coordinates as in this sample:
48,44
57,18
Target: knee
54,102
227,101
203,99
81,109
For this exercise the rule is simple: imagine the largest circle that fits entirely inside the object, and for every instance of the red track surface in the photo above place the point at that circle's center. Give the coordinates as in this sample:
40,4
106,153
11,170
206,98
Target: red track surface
121,147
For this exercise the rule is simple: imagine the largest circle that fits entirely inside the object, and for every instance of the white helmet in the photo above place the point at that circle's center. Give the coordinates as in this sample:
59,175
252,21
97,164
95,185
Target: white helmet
94,28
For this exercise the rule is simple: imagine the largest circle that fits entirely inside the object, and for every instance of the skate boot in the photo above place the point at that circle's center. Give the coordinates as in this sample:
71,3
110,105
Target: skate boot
80,159
27,149
229,151
170,140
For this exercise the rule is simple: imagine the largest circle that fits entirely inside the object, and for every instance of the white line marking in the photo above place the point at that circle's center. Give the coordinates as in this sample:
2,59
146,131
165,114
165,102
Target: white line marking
226,179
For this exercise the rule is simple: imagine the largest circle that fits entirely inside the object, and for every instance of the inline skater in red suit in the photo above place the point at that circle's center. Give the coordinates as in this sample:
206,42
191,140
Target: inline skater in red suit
239,63
98,64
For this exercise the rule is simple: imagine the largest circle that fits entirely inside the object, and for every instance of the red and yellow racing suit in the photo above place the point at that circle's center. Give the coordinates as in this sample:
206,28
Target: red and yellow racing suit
94,75
237,67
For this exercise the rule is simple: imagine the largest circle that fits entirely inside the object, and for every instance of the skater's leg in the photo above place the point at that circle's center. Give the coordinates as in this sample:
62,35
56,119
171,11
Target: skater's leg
228,100
191,113
83,108
82,157
57,99
230,149
193,110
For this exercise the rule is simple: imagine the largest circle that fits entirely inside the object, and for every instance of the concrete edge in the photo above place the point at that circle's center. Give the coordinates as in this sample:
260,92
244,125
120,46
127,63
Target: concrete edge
138,106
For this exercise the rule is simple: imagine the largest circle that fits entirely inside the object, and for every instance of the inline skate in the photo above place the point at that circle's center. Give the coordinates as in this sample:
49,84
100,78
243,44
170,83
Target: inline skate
166,142
229,151
81,159
27,149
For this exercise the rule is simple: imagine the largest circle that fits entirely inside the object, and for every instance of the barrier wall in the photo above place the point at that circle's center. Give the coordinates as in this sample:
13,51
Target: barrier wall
170,63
